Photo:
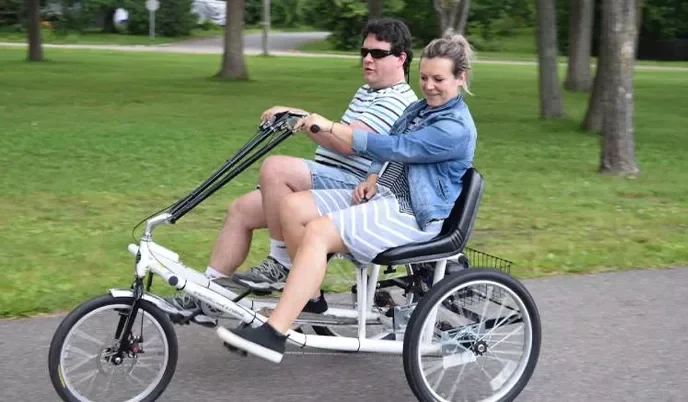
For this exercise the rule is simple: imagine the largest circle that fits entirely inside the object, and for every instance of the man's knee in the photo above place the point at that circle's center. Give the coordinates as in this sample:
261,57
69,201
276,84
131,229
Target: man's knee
237,208
287,170
247,209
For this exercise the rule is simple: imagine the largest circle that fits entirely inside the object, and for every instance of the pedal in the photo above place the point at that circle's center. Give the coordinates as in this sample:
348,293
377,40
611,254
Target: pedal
210,323
229,283
236,350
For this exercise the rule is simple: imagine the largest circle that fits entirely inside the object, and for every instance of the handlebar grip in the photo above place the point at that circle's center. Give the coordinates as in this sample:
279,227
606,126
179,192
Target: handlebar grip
315,129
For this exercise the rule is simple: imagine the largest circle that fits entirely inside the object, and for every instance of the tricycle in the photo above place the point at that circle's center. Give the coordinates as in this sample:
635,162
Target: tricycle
465,327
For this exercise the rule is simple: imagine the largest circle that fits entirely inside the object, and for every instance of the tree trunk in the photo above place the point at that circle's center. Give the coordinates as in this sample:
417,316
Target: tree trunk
266,27
109,20
639,21
33,22
551,101
462,19
618,144
233,62
447,11
375,8
578,76
594,115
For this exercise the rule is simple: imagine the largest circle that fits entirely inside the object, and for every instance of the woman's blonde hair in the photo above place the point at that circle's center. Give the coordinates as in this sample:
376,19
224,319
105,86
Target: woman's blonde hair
456,48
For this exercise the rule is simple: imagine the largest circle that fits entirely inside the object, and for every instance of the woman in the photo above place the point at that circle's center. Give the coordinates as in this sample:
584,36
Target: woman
430,147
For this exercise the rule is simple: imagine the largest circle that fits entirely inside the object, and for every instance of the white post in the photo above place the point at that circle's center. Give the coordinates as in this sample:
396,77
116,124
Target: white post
151,18
152,6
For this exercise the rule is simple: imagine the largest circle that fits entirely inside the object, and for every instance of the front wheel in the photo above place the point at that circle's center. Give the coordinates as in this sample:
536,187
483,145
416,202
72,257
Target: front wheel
474,336
84,362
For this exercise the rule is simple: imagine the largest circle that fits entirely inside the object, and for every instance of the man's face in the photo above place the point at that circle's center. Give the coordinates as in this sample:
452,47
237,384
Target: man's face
380,67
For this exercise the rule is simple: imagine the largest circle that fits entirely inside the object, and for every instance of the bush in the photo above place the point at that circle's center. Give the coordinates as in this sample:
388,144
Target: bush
287,13
172,19
421,18
346,18
253,12
11,12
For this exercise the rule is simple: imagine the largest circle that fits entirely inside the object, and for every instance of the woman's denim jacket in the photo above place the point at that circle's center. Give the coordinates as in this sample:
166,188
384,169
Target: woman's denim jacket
438,149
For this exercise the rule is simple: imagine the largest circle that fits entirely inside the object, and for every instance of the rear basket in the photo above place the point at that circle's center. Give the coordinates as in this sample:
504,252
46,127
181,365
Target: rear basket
479,259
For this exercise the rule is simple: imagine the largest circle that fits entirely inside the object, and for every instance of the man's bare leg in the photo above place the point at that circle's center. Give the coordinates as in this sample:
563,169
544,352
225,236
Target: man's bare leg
233,243
244,215
279,177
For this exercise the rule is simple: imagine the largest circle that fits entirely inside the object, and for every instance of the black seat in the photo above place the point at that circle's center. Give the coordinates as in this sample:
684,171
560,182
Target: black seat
455,230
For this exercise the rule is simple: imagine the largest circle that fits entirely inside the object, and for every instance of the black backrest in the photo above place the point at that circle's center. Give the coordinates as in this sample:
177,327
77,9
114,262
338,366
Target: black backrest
462,216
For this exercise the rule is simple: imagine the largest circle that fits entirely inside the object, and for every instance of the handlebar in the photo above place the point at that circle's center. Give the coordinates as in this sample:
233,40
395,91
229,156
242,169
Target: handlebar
289,119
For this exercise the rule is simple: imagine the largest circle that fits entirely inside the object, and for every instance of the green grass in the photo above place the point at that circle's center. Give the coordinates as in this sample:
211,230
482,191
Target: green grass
94,141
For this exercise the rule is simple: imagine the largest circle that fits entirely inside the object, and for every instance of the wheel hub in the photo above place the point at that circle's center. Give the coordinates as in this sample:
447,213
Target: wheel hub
479,348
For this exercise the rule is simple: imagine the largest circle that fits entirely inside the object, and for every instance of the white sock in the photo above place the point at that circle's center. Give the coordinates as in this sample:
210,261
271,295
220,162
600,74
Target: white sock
278,251
211,273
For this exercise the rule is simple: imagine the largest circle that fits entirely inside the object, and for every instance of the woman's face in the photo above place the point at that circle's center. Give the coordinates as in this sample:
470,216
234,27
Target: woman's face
438,82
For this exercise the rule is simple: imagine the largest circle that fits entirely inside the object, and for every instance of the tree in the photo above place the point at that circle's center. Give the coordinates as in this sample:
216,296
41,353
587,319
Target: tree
447,11
266,27
375,8
462,19
619,36
551,101
578,77
233,61
594,115
33,22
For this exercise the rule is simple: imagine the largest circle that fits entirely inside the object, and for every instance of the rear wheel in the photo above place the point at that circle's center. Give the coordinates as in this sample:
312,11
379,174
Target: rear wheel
85,363
474,336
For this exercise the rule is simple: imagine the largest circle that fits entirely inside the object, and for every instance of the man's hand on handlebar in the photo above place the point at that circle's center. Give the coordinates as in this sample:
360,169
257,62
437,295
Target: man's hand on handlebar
275,110
314,123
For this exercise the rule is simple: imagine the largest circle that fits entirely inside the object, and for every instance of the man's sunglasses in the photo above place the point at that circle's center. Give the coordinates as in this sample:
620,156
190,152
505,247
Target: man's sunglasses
375,53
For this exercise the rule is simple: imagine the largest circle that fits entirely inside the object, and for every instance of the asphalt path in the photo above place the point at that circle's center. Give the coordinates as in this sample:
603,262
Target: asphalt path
253,42
606,337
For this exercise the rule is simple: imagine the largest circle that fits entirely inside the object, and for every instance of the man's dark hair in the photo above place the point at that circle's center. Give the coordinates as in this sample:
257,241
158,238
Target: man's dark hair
394,31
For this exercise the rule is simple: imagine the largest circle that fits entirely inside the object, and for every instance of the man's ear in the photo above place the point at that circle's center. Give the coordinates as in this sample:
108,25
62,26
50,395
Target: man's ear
402,57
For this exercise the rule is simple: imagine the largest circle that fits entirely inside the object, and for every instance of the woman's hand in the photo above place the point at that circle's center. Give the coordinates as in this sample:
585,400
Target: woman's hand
366,190
313,119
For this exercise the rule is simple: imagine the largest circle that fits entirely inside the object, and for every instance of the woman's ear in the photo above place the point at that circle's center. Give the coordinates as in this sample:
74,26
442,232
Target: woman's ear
461,79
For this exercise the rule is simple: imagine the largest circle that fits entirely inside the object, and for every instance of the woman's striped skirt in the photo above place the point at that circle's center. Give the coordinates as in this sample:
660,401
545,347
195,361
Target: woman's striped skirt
370,228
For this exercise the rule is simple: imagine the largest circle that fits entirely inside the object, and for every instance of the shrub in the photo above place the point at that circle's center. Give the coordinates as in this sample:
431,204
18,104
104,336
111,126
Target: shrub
173,18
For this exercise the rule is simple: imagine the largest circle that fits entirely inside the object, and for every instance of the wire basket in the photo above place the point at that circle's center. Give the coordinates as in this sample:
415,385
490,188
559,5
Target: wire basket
480,259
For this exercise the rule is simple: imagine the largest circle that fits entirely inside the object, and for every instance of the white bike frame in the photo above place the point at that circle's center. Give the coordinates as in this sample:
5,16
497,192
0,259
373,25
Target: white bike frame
152,257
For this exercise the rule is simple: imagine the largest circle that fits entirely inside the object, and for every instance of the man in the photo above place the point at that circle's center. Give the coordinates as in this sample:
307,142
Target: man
376,105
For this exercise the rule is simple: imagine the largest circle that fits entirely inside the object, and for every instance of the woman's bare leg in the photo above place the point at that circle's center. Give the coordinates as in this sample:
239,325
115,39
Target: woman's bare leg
319,238
296,211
